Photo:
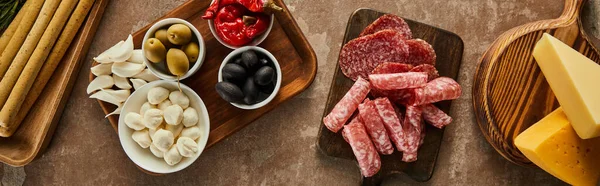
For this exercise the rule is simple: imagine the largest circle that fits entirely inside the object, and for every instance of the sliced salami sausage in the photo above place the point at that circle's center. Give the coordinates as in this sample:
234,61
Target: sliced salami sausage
421,52
432,73
388,68
435,116
388,21
398,81
360,56
391,121
370,117
366,155
412,129
439,89
340,113
392,67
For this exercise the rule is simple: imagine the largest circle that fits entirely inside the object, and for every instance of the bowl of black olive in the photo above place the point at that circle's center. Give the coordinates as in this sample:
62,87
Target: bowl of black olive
249,78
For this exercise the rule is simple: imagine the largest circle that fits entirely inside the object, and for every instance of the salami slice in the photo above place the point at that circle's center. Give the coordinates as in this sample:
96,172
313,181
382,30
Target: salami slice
391,121
435,116
374,125
392,67
388,68
432,73
439,89
366,155
398,81
388,21
421,52
340,113
361,55
412,128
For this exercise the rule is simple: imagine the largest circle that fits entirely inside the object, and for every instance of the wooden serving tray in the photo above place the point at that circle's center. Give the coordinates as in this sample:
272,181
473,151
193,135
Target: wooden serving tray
510,92
34,134
449,50
286,42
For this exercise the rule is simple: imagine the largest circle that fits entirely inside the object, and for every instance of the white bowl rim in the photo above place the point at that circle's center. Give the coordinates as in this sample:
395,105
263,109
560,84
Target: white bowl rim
255,42
277,71
201,46
202,141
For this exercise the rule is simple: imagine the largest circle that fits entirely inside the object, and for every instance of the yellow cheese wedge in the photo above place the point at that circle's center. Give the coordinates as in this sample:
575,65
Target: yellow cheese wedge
575,80
553,145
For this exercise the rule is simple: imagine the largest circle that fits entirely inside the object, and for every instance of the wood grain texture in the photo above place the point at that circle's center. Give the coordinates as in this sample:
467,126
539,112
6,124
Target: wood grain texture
510,92
286,42
449,50
36,131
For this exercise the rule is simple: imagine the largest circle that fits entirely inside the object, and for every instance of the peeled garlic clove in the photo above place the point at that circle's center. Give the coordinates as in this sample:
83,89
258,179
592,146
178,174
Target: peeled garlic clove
164,104
127,69
157,95
134,121
142,138
100,82
102,69
172,156
146,75
173,114
175,129
137,83
190,117
106,97
163,139
156,151
145,107
121,95
153,118
136,56
124,51
121,82
104,57
116,111
187,147
191,132
179,98
153,131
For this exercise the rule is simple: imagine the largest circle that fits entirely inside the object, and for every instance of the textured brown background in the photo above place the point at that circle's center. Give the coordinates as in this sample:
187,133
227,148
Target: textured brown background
279,148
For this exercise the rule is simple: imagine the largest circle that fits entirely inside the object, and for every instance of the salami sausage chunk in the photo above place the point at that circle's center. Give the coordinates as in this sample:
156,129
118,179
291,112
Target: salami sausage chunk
435,116
366,155
392,67
412,128
398,81
340,113
391,121
421,52
388,21
439,89
388,68
374,125
432,73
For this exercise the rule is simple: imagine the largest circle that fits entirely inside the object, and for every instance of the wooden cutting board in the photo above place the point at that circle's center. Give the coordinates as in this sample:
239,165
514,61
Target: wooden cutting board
449,50
37,129
510,92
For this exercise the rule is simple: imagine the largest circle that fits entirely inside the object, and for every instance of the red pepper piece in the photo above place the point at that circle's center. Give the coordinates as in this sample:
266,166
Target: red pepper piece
258,27
212,10
252,5
230,26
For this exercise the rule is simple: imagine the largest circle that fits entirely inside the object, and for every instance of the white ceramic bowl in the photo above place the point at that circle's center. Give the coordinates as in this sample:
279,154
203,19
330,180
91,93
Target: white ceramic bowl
162,73
143,157
254,42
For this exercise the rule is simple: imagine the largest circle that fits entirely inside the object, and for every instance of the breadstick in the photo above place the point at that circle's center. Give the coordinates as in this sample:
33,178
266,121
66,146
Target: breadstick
59,50
33,9
12,28
33,38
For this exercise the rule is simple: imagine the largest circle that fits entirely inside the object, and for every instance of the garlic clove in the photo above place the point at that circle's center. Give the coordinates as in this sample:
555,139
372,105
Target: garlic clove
100,82
136,56
104,57
102,69
127,69
106,97
121,95
146,75
137,83
121,82
116,111
123,52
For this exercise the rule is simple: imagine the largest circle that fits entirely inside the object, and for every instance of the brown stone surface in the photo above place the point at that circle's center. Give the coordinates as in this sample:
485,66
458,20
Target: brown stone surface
279,148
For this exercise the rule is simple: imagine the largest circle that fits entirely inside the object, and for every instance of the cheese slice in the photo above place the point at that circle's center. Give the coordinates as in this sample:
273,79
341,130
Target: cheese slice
553,145
575,80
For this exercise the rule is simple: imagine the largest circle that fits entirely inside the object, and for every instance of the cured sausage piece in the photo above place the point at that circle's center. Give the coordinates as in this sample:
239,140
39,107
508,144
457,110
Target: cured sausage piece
389,68
391,122
432,73
370,117
412,129
421,52
366,155
360,56
340,113
435,116
398,81
392,67
388,21
439,89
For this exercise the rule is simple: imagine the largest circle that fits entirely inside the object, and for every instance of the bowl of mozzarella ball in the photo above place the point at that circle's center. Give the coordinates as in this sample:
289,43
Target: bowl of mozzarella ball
163,128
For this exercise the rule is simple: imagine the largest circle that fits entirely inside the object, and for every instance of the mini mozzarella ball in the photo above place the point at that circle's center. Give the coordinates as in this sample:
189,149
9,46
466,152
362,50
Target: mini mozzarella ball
190,117
173,115
172,156
191,132
187,147
156,151
177,97
163,139
145,107
152,131
175,129
153,118
134,121
157,95
164,104
142,138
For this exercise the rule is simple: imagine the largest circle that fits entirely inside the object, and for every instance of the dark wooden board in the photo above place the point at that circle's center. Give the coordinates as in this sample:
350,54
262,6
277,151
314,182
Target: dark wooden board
449,50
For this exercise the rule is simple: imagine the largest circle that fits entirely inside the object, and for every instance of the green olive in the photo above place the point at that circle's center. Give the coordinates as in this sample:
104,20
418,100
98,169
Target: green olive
154,50
161,35
191,50
177,62
179,34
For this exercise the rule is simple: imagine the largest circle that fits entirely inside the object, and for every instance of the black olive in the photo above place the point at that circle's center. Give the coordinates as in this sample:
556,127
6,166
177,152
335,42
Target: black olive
264,75
238,61
267,89
263,62
250,91
234,73
249,59
229,92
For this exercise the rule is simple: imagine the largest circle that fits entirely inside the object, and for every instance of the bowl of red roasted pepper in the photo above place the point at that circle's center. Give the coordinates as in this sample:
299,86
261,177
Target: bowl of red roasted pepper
238,23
